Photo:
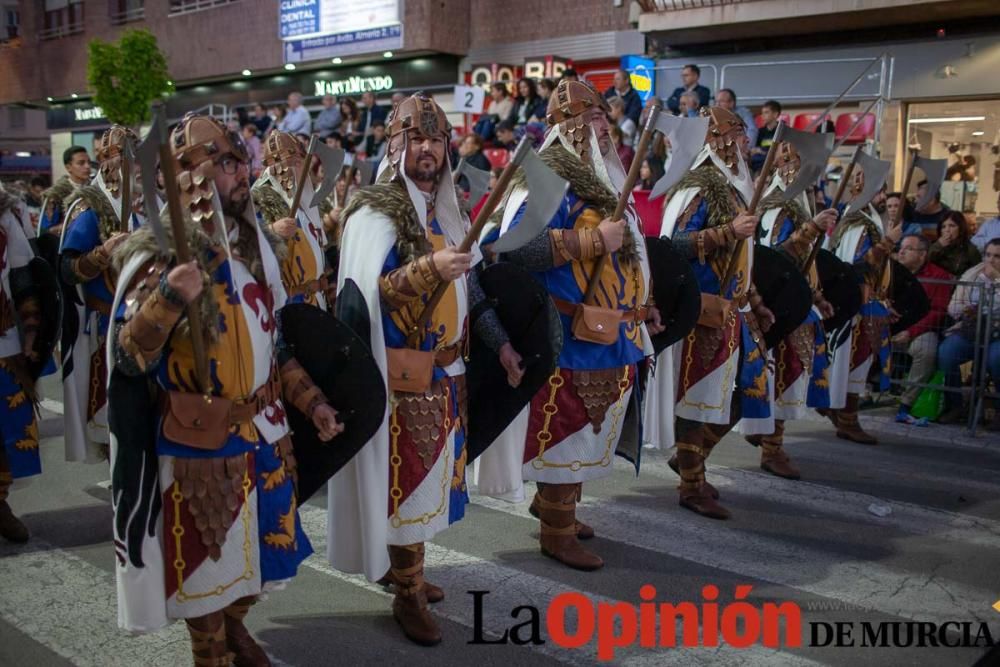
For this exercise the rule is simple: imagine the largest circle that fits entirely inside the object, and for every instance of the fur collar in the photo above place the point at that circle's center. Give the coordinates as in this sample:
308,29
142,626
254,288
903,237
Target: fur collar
853,220
57,194
715,189
390,199
268,202
97,201
790,209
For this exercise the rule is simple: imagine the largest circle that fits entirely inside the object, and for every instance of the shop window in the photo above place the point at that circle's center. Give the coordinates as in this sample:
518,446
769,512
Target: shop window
62,18
11,23
123,11
185,6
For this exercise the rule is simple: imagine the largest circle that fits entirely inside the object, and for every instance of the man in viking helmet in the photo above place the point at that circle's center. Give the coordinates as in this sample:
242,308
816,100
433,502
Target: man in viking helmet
571,430
303,265
206,516
801,364
93,229
720,368
862,239
398,246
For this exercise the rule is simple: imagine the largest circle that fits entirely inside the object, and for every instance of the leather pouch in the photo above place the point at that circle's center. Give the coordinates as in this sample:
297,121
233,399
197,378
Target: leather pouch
594,324
410,370
715,311
196,420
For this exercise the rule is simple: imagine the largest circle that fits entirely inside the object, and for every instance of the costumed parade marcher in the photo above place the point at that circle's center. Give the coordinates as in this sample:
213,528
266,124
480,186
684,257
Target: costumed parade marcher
570,431
398,245
20,318
861,239
54,200
206,515
92,229
801,364
303,267
720,373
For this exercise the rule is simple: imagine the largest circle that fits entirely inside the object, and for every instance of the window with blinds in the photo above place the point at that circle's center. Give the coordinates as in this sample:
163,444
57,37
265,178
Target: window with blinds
185,6
123,11
62,18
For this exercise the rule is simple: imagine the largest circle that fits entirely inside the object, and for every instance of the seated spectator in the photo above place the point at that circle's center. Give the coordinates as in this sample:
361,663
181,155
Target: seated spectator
650,172
297,120
621,120
771,112
931,215
688,105
334,140
261,120
350,124
498,110
471,150
254,149
505,136
528,106
690,76
545,89
953,251
303,139
277,115
988,230
374,112
958,345
375,143
625,153
726,99
329,119
623,89
921,340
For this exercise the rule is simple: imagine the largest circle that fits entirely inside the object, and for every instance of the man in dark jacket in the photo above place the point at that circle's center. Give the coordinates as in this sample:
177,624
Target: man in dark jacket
690,75
623,89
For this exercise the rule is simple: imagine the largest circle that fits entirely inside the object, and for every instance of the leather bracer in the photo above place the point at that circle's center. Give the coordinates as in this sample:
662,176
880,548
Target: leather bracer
580,245
800,243
145,334
409,282
879,251
299,389
92,264
708,241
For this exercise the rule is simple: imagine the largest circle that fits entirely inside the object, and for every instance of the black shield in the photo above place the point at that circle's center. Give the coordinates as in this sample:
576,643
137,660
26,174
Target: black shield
341,364
841,285
532,323
908,298
784,290
45,288
675,291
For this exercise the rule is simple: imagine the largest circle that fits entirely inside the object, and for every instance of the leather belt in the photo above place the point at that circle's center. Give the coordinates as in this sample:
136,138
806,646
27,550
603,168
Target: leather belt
639,314
102,307
245,409
446,356
309,288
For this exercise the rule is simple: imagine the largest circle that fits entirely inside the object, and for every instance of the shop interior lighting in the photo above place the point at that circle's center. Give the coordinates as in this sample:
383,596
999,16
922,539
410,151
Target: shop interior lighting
50,99
949,119
337,60
22,154
978,133
387,54
289,66
74,95
247,72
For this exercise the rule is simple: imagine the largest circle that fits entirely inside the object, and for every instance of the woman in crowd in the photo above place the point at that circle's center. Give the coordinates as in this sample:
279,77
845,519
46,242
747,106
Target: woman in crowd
545,89
625,153
277,115
650,172
528,106
618,117
953,251
350,127
500,107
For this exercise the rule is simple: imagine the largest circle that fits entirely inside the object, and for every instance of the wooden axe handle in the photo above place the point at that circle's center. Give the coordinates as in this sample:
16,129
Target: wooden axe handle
834,204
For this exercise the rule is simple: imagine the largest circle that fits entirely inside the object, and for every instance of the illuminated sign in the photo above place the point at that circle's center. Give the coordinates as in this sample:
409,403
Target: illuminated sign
91,113
641,75
353,85
546,67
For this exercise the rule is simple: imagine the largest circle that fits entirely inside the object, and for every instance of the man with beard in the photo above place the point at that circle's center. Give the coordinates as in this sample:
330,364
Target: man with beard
801,366
862,239
398,245
706,216
570,431
214,482
91,232
303,265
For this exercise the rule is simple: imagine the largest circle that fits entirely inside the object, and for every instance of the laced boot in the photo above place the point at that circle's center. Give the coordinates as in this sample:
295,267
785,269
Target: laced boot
712,491
434,593
208,640
11,528
245,650
583,531
848,426
557,516
693,492
409,607
773,457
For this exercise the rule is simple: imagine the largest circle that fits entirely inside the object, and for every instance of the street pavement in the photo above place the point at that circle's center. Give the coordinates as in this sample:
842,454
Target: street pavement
905,531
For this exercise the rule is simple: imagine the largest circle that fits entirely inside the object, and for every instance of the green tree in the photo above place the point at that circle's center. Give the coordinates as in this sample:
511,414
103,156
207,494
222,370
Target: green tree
127,75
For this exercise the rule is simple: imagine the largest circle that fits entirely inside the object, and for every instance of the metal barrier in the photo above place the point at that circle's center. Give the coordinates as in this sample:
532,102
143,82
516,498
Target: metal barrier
961,343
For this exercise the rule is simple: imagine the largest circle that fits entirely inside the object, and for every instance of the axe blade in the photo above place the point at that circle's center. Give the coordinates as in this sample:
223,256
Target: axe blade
687,138
814,150
546,190
147,156
479,180
332,160
875,171
934,171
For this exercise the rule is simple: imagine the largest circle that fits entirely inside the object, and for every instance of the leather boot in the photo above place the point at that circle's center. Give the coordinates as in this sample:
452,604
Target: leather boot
245,650
848,426
208,640
434,593
11,528
829,414
773,457
557,516
409,607
693,492
583,531
712,491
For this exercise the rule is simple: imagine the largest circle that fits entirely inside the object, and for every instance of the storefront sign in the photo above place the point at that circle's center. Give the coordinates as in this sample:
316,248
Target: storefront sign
314,29
88,114
354,85
82,114
546,67
484,75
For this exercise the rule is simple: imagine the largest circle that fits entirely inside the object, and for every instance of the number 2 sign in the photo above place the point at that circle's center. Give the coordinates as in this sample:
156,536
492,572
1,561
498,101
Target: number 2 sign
469,99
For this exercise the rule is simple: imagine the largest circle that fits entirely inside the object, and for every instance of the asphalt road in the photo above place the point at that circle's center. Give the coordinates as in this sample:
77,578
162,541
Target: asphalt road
818,543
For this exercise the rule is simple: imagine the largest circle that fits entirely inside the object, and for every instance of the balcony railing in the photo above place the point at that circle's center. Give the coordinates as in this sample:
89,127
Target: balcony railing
654,6
127,15
178,7
58,31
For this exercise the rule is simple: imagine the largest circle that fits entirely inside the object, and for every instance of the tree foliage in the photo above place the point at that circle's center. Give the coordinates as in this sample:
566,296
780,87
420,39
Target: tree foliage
127,75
